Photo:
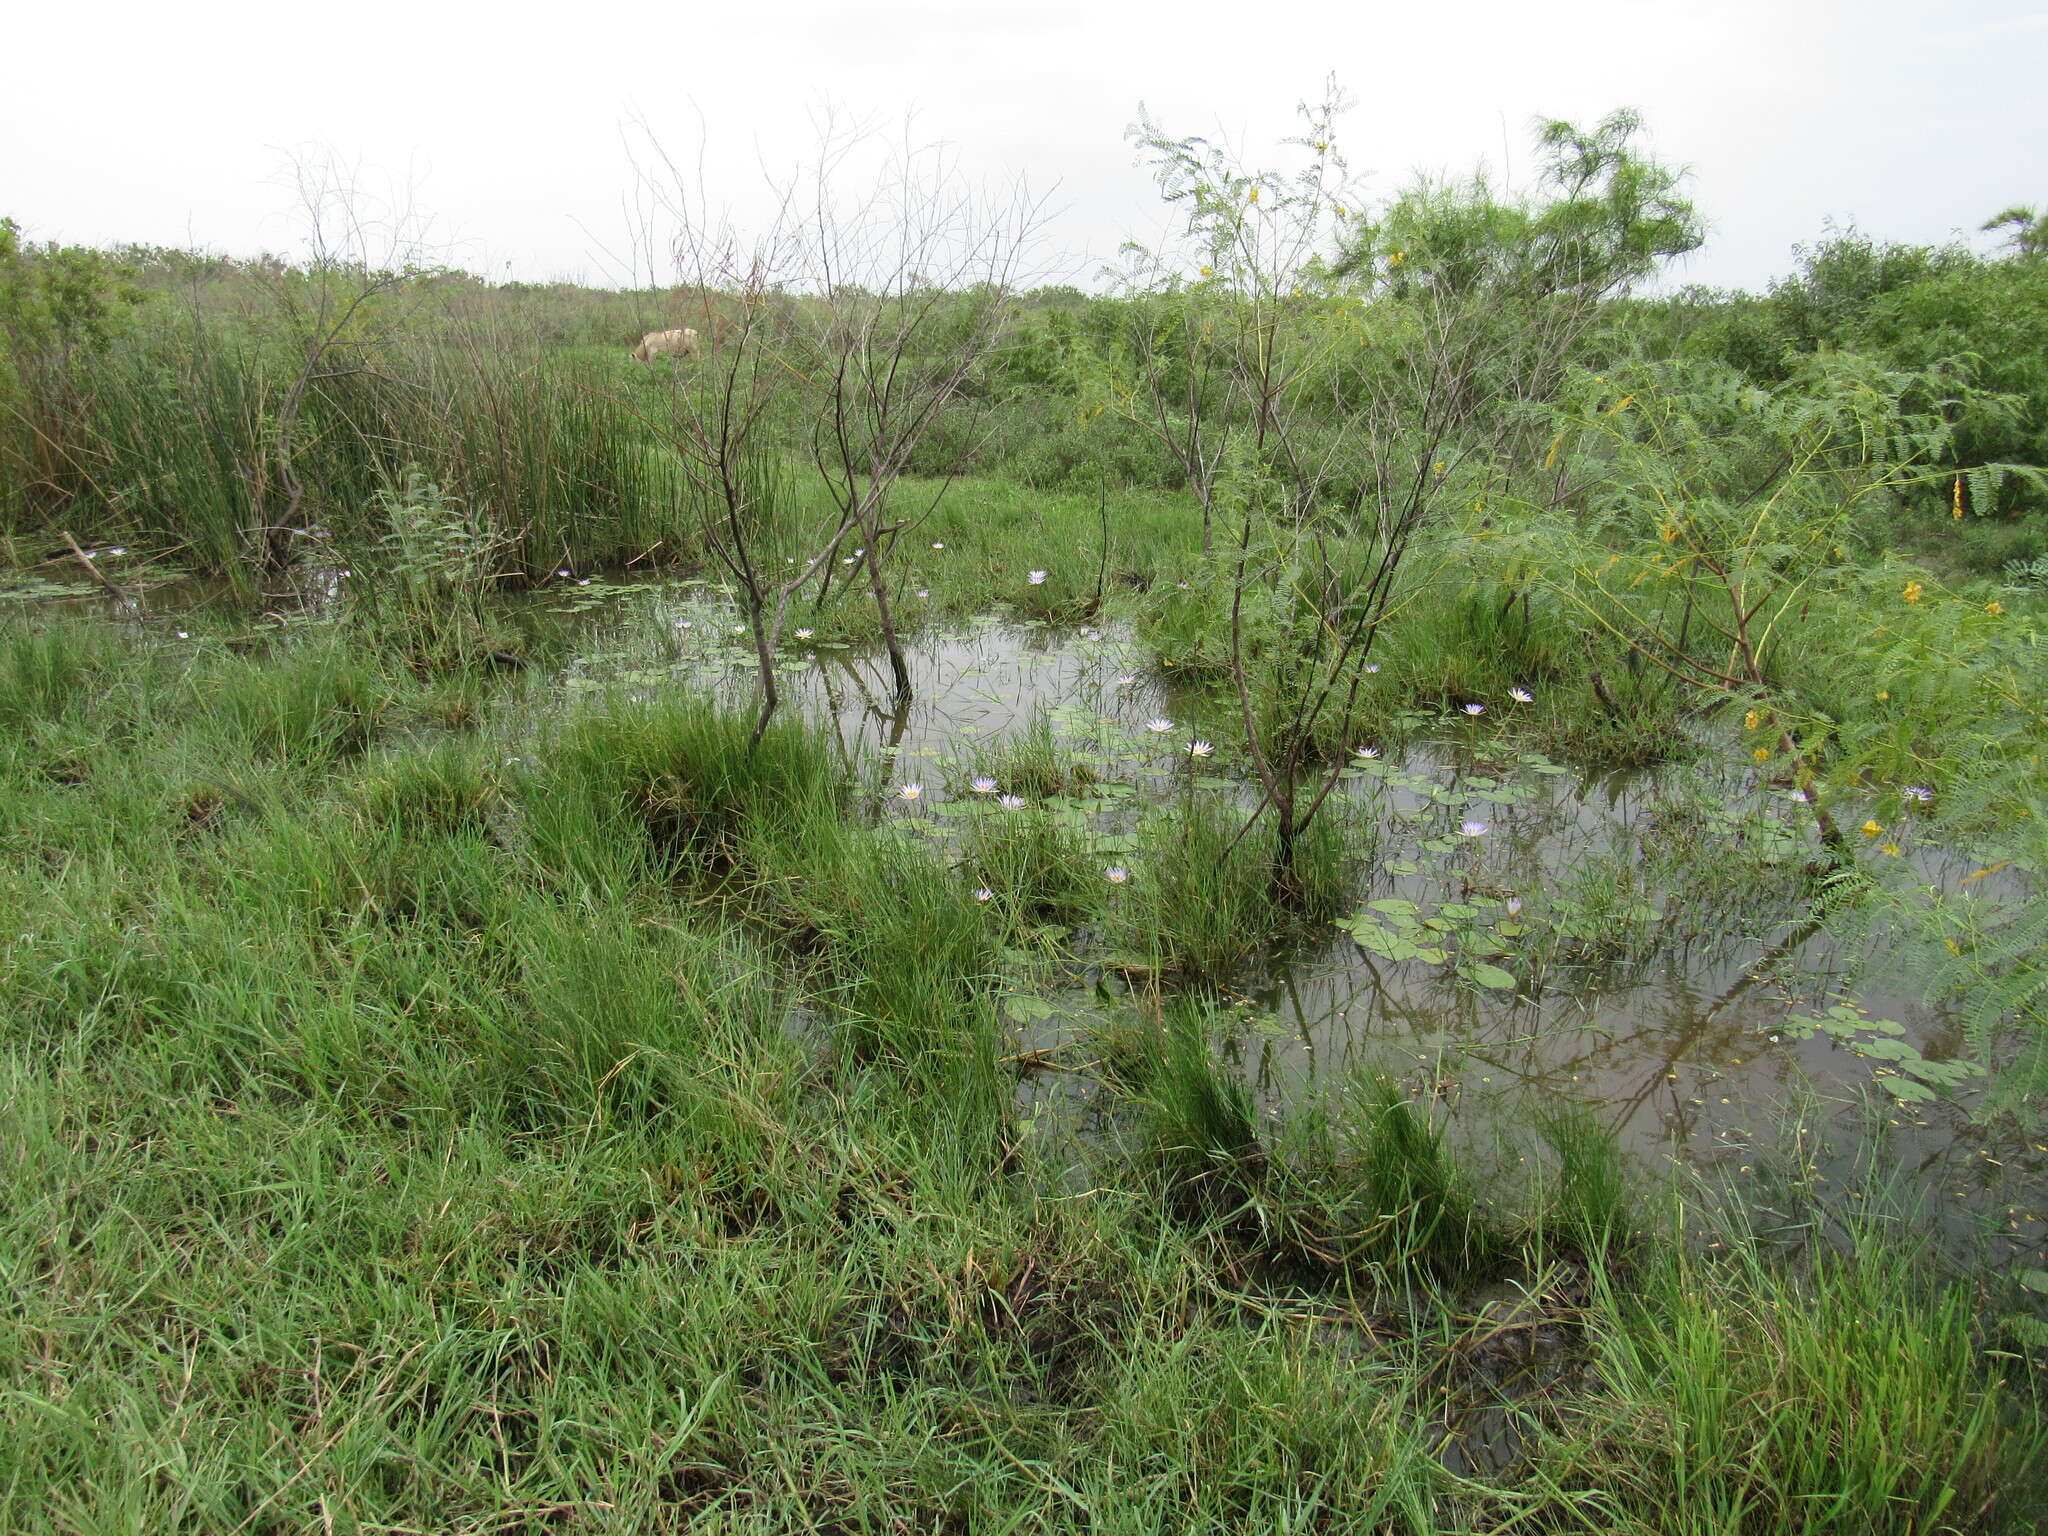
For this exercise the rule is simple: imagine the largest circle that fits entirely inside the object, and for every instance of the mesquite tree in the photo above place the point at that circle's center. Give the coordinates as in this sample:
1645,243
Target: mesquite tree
1368,357
841,330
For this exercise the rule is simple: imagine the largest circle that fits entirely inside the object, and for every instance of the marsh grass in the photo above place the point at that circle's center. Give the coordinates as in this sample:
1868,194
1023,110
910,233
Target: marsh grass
328,704
1035,764
1735,1394
1038,870
178,449
399,1136
1204,906
1421,1206
684,775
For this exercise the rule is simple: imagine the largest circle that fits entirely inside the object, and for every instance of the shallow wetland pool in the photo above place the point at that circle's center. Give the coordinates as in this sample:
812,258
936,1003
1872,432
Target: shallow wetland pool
1675,977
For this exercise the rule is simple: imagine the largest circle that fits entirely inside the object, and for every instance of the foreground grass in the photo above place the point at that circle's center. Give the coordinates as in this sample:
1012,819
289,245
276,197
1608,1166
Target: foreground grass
411,1125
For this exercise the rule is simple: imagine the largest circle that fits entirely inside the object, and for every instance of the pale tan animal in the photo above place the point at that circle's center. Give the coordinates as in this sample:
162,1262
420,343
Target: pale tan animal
682,343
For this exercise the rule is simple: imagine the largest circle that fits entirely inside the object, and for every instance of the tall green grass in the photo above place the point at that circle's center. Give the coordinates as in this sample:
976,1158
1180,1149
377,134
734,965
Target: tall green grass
577,1119
178,448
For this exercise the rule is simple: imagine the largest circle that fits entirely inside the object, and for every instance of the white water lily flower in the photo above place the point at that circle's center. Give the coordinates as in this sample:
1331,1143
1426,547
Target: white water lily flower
1367,752
1011,802
1159,726
910,791
938,544
1116,874
1372,666
1037,578
924,592
983,893
1521,696
804,634
1200,748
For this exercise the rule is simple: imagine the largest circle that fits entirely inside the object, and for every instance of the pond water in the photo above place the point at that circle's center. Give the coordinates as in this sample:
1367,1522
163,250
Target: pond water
1690,998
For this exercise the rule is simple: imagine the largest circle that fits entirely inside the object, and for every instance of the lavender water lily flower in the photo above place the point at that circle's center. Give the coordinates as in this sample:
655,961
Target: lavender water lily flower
983,785
1472,828
1116,874
1917,792
1475,709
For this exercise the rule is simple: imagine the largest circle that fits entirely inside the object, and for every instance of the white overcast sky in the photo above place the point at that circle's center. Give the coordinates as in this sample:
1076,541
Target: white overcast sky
511,123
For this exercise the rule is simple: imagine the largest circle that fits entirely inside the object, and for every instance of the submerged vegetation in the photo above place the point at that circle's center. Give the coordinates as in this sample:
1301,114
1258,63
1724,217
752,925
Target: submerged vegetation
1365,885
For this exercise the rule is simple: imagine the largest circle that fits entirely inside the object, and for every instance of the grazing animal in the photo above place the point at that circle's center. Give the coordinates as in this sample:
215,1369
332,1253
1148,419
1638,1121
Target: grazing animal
682,343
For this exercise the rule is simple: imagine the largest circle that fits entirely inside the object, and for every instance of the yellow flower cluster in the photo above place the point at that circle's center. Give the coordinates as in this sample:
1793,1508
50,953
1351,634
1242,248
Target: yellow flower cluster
1912,592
